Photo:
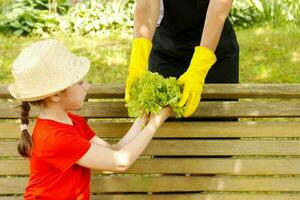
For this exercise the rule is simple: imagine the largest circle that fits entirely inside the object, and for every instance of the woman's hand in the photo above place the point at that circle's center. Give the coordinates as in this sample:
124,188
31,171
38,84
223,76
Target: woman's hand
158,119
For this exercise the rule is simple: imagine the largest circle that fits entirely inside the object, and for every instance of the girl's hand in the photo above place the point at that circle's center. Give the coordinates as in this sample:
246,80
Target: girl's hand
146,119
141,122
158,119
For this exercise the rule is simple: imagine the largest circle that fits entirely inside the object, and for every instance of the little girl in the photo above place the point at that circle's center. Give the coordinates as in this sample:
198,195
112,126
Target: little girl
62,148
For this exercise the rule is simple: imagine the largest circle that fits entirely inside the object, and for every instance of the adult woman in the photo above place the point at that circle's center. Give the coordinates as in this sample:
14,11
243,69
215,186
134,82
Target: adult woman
193,36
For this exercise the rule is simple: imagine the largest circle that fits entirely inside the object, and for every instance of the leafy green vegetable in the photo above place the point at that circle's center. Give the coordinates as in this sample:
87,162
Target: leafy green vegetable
151,93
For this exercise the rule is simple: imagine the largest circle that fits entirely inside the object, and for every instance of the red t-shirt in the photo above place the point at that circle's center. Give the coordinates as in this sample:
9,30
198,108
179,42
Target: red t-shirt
57,147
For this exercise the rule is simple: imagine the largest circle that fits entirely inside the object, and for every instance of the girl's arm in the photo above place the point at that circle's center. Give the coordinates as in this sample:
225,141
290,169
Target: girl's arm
103,158
133,131
216,15
99,141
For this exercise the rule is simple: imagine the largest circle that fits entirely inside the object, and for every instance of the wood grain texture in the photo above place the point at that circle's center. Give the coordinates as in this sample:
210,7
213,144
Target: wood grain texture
205,109
113,129
230,166
209,91
207,147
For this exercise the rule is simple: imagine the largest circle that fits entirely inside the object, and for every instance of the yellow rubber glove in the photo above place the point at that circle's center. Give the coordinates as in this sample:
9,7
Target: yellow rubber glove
193,79
138,65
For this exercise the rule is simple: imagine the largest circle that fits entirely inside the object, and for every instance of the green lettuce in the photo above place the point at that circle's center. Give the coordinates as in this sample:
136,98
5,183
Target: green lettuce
151,93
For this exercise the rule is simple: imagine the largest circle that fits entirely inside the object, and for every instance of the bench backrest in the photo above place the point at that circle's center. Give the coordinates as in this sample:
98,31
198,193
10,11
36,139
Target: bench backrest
249,159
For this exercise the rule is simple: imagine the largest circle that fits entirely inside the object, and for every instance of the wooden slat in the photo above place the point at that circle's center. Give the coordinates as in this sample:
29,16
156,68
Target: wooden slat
251,91
209,91
106,91
96,91
183,129
194,183
205,129
189,196
16,185
200,196
4,93
231,166
205,109
202,147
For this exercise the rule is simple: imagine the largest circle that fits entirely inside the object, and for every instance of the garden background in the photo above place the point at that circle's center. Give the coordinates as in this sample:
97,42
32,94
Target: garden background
268,33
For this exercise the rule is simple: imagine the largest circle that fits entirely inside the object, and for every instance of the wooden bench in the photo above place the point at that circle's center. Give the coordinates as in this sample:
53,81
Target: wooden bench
252,159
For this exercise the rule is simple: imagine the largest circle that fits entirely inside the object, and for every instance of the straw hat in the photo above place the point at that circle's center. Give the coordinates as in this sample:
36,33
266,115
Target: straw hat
45,68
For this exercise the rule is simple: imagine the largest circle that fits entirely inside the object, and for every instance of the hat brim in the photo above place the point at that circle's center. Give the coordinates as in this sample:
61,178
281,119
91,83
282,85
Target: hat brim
80,71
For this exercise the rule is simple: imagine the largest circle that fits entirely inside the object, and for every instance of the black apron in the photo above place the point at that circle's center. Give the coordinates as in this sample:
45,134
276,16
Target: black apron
174,41
180,31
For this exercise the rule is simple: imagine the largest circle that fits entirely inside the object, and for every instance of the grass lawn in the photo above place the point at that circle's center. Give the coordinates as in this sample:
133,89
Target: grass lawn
270,55
109,56
267,55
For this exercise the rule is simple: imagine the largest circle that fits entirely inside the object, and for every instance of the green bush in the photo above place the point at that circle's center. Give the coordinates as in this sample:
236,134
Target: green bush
27,20
99,17
62,5
30,16
295,11
273,12
244,15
